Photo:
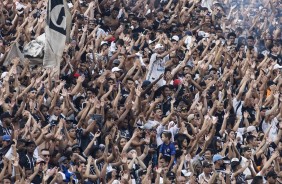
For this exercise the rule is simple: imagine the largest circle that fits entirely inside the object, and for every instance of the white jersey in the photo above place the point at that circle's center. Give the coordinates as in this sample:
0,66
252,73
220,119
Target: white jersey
156,68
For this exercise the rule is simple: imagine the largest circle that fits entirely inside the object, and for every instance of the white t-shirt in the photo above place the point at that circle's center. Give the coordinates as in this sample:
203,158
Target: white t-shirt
273,131
237,105
203,179
156,68
247,171
160,129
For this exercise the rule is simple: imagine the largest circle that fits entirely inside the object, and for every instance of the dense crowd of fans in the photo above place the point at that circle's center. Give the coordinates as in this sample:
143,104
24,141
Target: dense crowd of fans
156,91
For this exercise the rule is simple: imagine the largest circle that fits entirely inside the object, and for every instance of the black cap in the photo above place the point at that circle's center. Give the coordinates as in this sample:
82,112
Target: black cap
247,148
146,83
63,158
170,174
80,16
76,146
142,172
207,164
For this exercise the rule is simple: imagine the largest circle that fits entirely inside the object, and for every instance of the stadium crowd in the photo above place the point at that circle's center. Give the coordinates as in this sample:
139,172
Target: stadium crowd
156,91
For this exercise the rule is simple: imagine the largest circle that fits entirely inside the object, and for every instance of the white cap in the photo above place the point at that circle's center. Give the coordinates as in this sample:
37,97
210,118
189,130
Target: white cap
235,160
104,42
277,66
116,182
158,46
3,75
63,175
39,159
190,117
251,128
116,69
150,124
186,173
175,37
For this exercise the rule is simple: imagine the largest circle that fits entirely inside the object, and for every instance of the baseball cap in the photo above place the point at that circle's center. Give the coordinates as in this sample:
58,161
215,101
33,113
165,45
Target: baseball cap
206,164
116,69
146,83
3,75
116,61
6,138
76,146
63,158
76,75
139,124
40,160
175,37
176,82
186,173
277,66
142,172
190,117
234,162
247,148
104,42
158,46
251,128
170,174
216,157
63,175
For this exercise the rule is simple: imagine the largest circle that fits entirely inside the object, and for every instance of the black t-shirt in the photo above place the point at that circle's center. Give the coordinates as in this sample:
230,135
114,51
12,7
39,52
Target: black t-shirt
166,106
124,95
251,111
83,140
27,162
220,116
38,178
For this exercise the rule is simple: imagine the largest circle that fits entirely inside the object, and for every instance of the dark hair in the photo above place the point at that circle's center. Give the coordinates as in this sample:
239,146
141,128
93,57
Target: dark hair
130,79
120,42
167,134
251,38
231,34
166,158
45,150
250,138
179,138
257,179
209,149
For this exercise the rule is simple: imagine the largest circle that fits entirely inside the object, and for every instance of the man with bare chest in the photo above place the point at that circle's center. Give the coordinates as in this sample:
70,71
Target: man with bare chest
112,20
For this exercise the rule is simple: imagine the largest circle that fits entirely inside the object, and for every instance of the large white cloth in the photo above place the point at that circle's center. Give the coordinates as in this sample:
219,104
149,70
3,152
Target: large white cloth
57,30
35,48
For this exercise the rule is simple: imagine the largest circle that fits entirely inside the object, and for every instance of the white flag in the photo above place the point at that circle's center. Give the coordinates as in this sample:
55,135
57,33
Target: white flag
13,53
57,30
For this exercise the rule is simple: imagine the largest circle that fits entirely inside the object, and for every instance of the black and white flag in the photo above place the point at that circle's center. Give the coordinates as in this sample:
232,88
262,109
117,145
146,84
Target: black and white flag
57,30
